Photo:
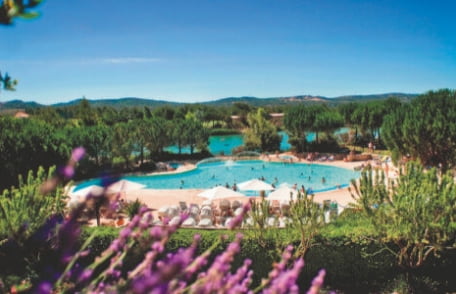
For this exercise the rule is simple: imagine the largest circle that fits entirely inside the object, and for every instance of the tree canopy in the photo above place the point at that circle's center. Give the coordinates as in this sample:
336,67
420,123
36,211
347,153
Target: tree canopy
425,129
261,134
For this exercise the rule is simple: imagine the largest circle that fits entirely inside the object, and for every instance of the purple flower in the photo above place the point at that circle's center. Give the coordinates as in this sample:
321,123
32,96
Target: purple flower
44,288
85,275
237,220
317,282
125,233
77,154
68,172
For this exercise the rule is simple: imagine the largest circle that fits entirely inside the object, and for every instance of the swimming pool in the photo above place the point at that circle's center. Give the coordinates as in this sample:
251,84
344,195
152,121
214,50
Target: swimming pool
208,175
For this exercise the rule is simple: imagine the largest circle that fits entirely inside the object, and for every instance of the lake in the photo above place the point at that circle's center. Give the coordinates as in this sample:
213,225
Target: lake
225,144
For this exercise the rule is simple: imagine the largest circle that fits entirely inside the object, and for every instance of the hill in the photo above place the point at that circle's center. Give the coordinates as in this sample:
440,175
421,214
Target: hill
19,104
120,102
254,101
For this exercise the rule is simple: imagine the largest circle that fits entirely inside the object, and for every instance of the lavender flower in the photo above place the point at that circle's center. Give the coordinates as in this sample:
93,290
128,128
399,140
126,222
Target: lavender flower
77,154
317,282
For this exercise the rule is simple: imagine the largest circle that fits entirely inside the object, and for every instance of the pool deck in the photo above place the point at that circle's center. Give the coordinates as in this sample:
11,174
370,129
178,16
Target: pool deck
156,198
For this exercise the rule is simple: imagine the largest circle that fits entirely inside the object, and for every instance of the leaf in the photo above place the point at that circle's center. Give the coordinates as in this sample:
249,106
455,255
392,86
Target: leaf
29,15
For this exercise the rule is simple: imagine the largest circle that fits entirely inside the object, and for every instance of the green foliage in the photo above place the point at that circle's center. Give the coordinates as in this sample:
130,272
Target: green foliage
306,217
26,144
24,209
132,208
195,135
315,118
6,82
222,132
425,129
11,9
261,134
351,225
351,265
416,214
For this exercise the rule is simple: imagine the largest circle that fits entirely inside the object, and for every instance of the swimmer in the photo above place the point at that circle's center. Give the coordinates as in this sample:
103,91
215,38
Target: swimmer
323,180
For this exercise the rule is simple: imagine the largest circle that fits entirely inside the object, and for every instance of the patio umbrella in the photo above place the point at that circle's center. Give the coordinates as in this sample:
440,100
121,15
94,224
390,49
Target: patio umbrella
219,192
124,186
255,185
82,194
92,189
283,193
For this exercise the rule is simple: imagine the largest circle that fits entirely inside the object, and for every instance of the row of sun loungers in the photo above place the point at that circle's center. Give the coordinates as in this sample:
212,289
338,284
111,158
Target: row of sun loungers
210,216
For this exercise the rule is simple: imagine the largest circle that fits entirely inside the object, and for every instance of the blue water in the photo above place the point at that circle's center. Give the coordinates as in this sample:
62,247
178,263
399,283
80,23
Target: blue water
219,145
209,175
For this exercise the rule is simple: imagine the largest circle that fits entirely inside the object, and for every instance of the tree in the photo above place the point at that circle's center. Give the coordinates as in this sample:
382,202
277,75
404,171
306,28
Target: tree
122,142
425,129
139,136
195,135
158,135
97,140
315,118
327,121
261,133
178,128
26,144
297,123
415,217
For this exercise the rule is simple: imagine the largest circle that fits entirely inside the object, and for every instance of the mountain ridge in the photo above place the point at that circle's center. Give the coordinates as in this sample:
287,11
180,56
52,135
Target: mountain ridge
255,101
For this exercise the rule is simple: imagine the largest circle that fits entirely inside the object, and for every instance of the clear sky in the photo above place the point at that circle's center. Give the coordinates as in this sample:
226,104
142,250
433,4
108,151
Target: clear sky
201,50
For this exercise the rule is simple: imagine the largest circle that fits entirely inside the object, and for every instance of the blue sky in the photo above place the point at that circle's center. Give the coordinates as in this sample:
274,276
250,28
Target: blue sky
201,50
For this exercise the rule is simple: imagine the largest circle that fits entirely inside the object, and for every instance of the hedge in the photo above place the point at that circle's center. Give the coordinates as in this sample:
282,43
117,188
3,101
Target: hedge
351,266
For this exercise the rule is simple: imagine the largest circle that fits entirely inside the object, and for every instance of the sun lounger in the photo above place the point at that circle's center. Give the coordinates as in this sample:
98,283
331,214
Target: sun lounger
206,212
183,206
272,222
204,223
189,222
175,221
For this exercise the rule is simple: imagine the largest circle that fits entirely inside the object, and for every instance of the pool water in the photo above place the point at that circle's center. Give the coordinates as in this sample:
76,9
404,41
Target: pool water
209,175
